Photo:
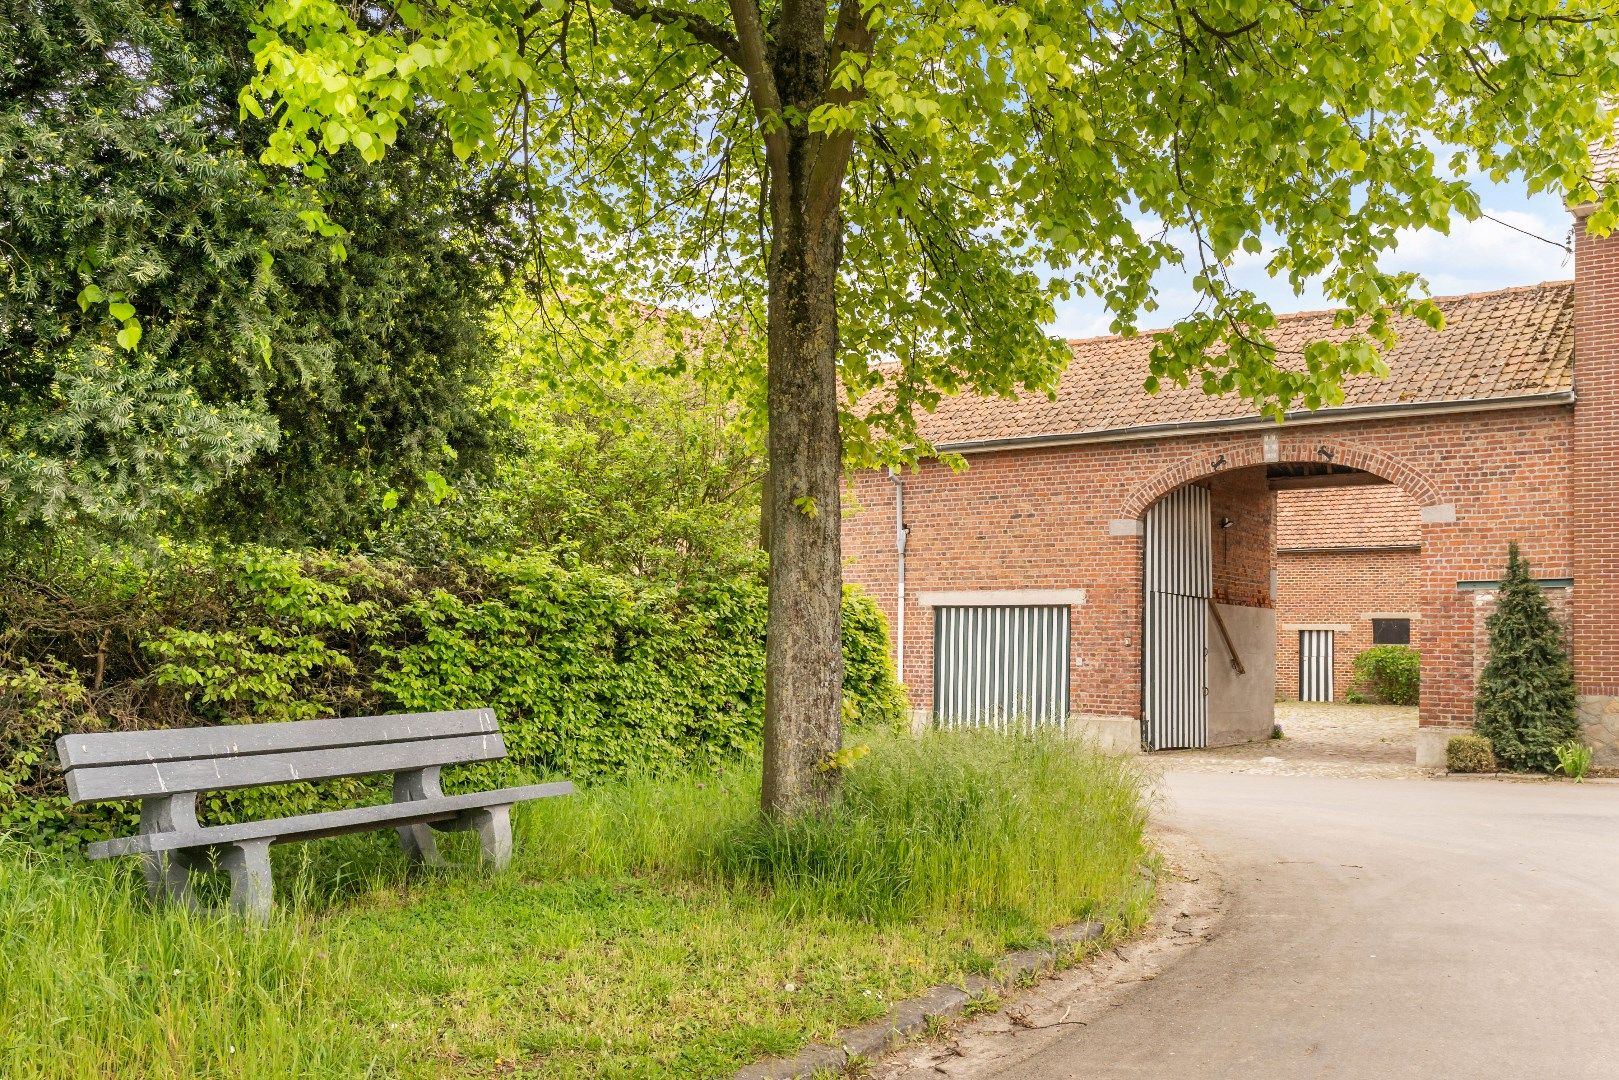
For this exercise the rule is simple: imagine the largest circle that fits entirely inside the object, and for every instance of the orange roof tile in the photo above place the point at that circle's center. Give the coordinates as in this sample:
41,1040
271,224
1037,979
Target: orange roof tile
1604,163
1511,343
1353,517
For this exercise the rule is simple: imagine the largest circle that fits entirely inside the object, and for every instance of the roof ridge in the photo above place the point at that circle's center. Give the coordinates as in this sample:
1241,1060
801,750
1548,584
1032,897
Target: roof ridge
1289,316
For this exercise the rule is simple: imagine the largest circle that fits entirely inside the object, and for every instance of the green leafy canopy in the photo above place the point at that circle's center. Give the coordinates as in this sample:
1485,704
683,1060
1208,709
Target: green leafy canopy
1001,155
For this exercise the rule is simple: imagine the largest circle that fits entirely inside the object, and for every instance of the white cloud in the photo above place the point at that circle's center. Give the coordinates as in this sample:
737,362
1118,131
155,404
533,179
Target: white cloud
1476,256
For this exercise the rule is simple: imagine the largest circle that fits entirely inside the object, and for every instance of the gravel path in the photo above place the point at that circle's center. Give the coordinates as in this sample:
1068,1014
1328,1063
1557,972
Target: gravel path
1321,739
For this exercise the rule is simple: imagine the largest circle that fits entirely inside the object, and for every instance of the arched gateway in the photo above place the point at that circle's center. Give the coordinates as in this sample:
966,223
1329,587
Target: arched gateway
1212,632
1033,560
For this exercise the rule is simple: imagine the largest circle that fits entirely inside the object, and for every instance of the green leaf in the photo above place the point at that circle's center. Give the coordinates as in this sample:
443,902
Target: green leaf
130,335
90,294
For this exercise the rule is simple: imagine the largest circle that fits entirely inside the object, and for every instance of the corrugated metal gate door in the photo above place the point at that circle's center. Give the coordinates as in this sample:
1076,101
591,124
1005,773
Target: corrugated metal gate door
1315,665
1179,581
1001,667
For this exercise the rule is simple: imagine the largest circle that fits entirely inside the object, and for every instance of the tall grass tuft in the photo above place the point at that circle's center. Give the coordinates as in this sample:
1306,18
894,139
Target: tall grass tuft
1030,829
95,984
1033,829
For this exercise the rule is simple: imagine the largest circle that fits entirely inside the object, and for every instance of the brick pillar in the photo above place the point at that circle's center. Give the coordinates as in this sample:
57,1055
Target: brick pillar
1595,487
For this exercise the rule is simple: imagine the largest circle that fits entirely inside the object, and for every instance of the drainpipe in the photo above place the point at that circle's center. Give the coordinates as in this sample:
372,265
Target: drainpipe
901,531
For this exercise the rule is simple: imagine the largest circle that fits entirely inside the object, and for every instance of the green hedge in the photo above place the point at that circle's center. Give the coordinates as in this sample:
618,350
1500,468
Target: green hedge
1387,675
591,674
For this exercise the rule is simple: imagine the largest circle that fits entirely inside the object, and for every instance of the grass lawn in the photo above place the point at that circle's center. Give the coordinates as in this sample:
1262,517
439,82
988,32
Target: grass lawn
649,928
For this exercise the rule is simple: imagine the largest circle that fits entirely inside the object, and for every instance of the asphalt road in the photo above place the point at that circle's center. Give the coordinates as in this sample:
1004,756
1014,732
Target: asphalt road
1380,929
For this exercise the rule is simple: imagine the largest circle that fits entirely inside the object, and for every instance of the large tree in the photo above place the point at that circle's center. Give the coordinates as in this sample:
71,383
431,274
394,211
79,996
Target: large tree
918,181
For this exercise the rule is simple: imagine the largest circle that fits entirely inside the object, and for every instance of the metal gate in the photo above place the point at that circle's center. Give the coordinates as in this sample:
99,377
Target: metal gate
1178,582
1001,667
1315,665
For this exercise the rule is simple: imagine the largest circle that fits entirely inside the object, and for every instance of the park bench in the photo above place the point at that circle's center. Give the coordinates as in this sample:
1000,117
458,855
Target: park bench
167,769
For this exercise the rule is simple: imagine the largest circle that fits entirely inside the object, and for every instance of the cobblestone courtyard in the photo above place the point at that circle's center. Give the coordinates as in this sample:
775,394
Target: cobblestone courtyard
1323,739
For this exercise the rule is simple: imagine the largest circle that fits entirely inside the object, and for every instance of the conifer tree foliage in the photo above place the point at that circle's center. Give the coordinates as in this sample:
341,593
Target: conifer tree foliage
1525,704
172,337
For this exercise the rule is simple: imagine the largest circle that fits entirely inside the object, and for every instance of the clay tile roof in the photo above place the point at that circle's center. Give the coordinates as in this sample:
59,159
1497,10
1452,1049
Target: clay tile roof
1511,343
1380,516
1604,163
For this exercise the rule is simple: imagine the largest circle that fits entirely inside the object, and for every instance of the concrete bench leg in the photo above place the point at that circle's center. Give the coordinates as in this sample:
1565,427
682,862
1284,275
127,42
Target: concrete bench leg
251,892
168,878
419,846
494,827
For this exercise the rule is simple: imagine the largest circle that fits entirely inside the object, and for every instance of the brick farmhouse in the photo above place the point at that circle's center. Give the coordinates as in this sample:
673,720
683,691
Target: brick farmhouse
1117,558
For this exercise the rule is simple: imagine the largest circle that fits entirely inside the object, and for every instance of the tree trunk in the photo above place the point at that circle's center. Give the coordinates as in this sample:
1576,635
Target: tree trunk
803,653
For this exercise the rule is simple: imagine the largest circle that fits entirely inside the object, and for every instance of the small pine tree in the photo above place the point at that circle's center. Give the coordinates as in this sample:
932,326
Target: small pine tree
1525,704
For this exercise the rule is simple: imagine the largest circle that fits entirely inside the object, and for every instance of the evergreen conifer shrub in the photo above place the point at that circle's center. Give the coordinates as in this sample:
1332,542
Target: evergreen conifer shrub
1525,704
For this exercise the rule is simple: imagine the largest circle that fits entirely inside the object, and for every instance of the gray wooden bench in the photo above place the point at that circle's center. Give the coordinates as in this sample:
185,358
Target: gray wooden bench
167,769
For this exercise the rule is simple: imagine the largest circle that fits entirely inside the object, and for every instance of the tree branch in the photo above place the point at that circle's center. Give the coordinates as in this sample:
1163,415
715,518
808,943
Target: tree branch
711,34
852,34
750,37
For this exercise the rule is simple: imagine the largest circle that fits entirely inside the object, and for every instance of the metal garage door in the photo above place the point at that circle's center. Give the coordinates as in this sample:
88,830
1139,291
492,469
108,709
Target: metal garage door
1315,665
1178,583
1001,667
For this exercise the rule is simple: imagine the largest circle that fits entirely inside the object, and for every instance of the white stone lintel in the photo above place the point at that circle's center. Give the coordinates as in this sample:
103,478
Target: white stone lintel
1001,597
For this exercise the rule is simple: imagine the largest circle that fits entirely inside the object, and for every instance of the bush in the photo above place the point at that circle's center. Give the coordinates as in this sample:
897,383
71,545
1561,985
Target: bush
592,674
1387,675
1525,704
1469,754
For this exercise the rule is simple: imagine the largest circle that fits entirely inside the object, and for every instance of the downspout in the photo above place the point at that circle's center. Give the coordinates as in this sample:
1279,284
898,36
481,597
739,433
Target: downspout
900,533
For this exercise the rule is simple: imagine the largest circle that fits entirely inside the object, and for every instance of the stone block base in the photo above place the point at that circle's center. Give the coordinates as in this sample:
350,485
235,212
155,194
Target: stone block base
1599,727
1431,743
1110,734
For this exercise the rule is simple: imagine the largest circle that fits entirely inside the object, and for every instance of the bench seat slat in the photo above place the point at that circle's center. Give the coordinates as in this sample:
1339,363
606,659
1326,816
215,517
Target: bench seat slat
180,744
222,773
326,823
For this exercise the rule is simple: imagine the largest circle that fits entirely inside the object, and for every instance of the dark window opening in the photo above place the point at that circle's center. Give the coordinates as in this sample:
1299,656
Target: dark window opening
1391,631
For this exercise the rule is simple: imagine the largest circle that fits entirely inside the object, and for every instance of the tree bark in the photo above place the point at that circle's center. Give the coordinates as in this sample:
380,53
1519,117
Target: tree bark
803,652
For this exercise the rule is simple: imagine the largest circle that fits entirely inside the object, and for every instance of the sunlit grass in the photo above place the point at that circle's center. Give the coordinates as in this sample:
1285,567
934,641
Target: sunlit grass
650,927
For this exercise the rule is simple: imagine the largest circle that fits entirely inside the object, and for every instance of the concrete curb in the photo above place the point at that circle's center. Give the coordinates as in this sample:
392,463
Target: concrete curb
910,1019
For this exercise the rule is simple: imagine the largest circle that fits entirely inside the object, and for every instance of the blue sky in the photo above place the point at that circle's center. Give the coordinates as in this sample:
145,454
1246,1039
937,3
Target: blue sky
1474,257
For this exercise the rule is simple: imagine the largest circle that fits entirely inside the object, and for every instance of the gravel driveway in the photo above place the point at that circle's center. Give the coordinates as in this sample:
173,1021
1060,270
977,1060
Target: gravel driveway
1321,739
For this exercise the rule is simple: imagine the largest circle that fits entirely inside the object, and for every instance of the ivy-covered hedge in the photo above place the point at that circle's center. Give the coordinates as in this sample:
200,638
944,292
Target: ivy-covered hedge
591,674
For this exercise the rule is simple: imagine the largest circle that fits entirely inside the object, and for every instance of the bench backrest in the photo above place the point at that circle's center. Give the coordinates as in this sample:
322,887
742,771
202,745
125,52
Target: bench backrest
140,764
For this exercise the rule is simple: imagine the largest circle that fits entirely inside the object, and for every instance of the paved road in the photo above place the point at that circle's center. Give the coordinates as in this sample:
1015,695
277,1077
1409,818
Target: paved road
1380,928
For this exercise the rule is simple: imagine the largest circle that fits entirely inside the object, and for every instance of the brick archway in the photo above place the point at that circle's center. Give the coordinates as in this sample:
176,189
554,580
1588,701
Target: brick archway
1297,448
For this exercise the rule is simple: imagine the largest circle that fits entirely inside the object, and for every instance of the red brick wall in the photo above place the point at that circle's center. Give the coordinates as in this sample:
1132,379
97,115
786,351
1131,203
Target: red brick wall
1559,600
1039,518
1242,550
1339,589
1596,465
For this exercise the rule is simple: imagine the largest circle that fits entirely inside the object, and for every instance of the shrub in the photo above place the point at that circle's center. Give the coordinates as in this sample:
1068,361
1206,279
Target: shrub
1525,704
1573,760
1387,675
591,673
1469,754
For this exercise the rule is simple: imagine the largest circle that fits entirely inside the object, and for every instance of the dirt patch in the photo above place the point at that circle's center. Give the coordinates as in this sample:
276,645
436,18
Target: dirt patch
1190,908
1321,738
